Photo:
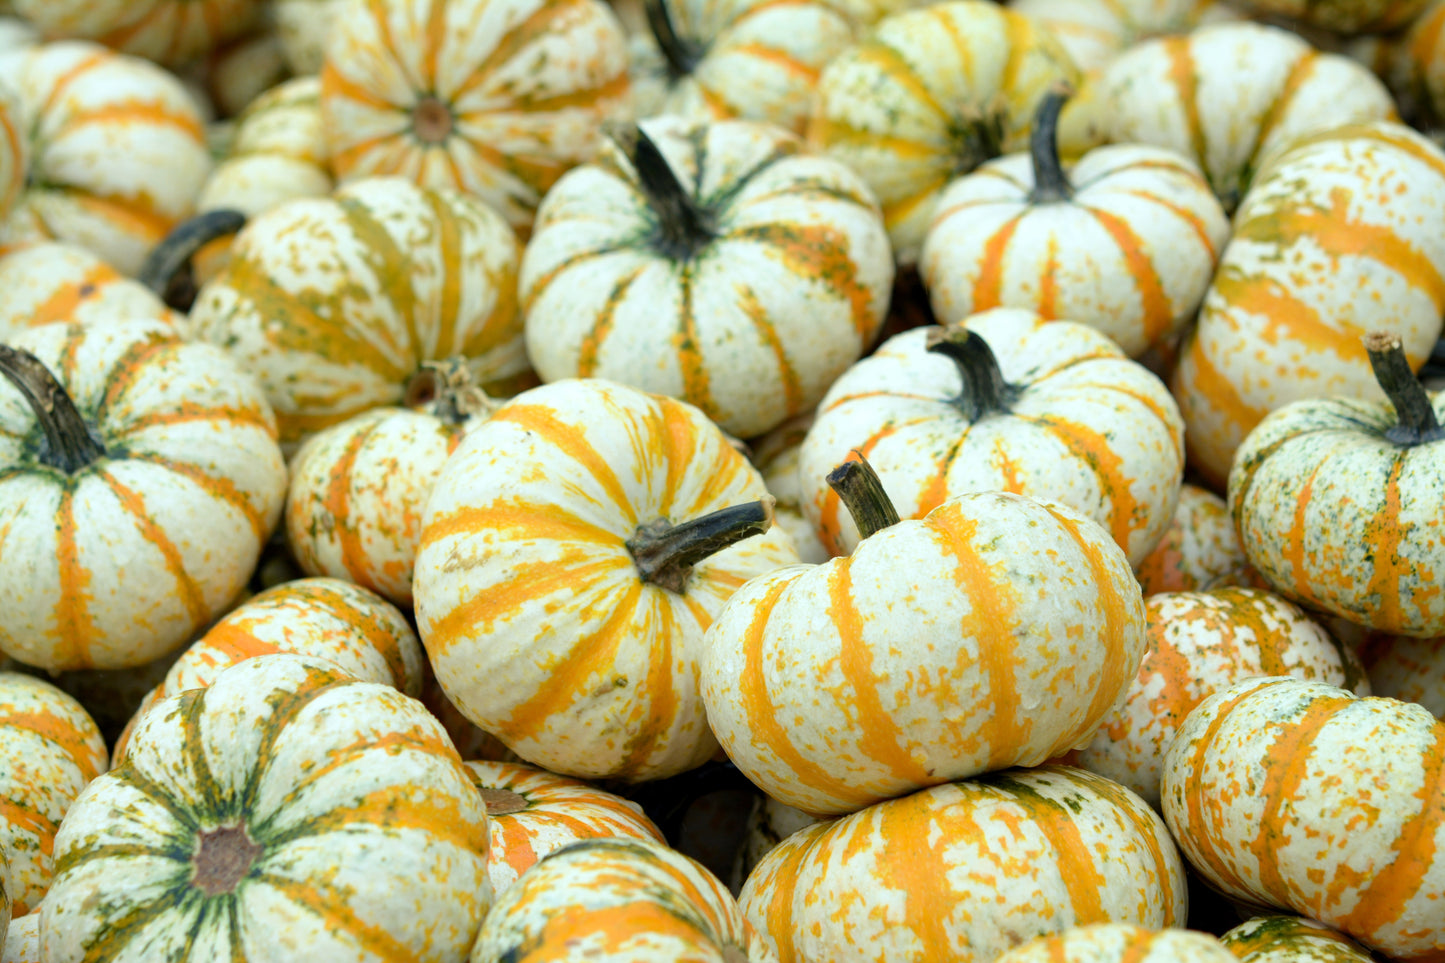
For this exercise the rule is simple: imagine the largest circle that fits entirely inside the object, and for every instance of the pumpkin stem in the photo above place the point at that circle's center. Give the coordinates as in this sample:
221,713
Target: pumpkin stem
445,390
1417,422
165,271
665,553
69,445
1050,182
861,491
503,802
682,57
223,858
979,136
683,226
985,391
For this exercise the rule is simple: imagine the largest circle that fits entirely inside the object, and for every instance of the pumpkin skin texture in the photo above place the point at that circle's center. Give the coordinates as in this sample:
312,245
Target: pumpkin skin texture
496,98
1200,549
1094,32
967,870
769,823
930,94
1314,263
51,283
1290,939
1080,424
529,602
1297,794
1117,943
288,805
905,664
117,151
618,901
133,552
49,750
750,314
1199,643
1408,669
171,32
22,942
533,812
335,303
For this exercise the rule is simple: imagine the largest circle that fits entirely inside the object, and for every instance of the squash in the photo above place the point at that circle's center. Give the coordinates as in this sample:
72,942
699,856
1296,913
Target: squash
761,272
337,303
1125,242
287,805
930,94
1405,668
496,98
139,478
116,147
1120,943
967,870
1005,401
172,32
776,456
1094,32
1290,939
1200,549
997,631
50,283
1337,501
574,549
238,71
1414,67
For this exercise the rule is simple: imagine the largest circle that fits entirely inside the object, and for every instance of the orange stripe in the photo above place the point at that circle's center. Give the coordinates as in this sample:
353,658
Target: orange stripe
186,587
988,285
1093,450
75,632
1158,313
571,442
591,345
1384,532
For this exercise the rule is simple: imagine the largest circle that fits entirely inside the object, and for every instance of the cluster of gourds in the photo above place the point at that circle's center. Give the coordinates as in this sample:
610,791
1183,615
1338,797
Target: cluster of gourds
983,446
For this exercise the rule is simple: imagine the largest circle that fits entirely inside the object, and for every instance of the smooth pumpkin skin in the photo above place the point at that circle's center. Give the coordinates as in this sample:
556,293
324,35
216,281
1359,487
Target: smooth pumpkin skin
1291,939
1408,669
1200,549
54,283
967,870
1089,428
1315,262
171,32
1118,943
1299,795
997,631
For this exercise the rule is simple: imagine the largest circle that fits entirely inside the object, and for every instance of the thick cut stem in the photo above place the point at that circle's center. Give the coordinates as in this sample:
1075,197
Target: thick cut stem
985,391
1050,182
69,445
682,57
1417,422
665,553
165,269
683,226
503,802
223,858
861,491
446,390
431,120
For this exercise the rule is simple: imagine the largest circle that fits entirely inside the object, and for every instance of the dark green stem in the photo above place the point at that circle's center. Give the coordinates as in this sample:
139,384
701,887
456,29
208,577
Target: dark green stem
683,226
163,267
69,446
861,491
1050,182
1417,422
985,391
665,553
682,57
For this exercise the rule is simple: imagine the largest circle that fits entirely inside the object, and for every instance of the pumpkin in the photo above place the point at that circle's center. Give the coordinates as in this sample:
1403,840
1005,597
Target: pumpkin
769,823
49,750
117,153
967,870
493,97
50,282
471,742
1289,939
287,805
1200,549
534,812
139,478
337,303
617,901
1342,16
711,262
776,456
1227,94
1316,261
1126,242
14,152
1005,401
752,59
1198,643
930,94
172,32
303,26
1338,505
903,665
1117,943
1408,669
22,942
1094,32
573,551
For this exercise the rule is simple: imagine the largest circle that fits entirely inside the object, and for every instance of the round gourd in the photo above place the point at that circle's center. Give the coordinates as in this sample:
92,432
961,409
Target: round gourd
496,98
1120,943
1200,549
172,32
1126,241
716,263
139,478
1408,669
574,549
287,805
967,870
934,652
1094,32
51,283
1297,794
1005,401
1290,939
769,823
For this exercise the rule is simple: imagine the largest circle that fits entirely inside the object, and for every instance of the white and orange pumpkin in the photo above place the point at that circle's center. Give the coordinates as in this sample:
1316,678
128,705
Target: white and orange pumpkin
52,283
1120,943
1291,939
1405,668
1200,549
172,32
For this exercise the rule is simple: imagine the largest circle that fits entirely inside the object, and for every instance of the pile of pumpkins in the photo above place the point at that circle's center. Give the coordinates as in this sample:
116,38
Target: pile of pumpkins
813,482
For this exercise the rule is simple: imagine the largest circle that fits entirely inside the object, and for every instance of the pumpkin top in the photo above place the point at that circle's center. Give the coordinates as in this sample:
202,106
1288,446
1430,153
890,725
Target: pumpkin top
1051,184
683,226
680,55
67,444
984,391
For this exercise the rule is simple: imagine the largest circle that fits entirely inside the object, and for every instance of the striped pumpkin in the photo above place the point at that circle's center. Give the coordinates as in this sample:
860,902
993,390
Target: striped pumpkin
1010,402
337,303
933,652
22,942
1200,549
1199,643
117,151
49,751
471,742
565,576
1046,849
618,901
1227,94
493,97
303,26
1120,943
1290,939
534,812
1125,242
51,283
1408,669
1341,16
1338,501
134,510
910,113
764,272
776,456
287,805
1316,260
1094,32
172,32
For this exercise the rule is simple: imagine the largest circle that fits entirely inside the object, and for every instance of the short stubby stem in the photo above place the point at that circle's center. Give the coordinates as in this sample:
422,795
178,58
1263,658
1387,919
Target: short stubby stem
861,491
985,391
432,120
223,858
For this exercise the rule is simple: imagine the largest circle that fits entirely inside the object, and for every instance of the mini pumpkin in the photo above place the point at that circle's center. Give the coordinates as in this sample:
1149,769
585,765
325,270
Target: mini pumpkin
1094,32
1290,939
1342,16
51,283
1120,943
22,942
1200,549
172,32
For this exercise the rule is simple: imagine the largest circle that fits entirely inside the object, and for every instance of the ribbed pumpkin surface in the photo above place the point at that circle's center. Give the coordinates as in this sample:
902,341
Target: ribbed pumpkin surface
52,283
1290,939
1120,943
173,32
